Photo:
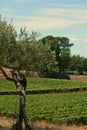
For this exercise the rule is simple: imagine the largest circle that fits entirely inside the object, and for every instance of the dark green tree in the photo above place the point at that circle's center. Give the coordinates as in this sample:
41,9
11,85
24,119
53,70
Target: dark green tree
65,54
78,64
61,46
85,65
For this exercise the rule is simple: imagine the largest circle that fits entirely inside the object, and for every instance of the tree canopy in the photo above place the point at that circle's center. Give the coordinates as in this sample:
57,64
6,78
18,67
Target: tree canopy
26,50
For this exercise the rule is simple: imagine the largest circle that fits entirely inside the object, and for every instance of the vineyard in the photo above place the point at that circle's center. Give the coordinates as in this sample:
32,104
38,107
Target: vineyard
57,101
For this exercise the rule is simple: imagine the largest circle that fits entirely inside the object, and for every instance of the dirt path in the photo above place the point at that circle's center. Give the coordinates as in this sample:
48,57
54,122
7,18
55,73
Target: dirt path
5,124
43,125
78,77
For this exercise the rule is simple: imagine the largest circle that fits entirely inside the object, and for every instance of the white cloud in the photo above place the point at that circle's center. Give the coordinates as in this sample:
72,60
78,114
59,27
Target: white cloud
44,23
51,19
74,39
55,18
85,41
54,11
20,1
78,16
5,9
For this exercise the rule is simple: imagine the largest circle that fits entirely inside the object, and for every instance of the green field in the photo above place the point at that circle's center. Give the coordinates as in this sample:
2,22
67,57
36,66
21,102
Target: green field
44,85
47,99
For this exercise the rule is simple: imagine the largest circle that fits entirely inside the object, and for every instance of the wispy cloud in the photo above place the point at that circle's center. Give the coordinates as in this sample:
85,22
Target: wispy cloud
20,1
85,40
66,13
74,38
44,23
54,18
50,18
5,9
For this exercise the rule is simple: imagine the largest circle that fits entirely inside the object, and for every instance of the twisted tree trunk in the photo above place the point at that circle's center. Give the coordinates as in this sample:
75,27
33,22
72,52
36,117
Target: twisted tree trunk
20,82
22,114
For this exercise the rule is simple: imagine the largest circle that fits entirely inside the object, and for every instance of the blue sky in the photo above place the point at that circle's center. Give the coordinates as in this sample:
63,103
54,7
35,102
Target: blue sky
66,18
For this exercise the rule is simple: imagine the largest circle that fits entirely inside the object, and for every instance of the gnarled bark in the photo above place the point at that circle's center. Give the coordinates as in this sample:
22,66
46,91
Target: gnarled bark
20,82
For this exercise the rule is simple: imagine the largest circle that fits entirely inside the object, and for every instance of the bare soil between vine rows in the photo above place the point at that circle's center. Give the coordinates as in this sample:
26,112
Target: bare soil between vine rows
6,124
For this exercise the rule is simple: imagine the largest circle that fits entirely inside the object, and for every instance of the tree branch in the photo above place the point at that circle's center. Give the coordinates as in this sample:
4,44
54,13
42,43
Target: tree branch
5,74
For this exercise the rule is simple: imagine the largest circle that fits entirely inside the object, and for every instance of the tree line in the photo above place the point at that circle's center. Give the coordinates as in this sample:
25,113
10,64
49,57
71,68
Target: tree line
27,51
